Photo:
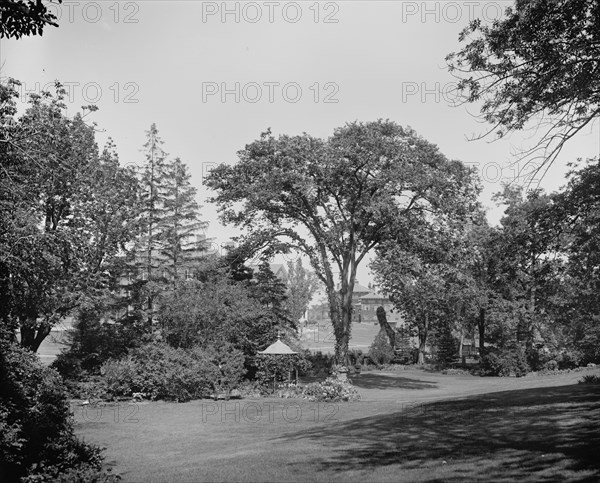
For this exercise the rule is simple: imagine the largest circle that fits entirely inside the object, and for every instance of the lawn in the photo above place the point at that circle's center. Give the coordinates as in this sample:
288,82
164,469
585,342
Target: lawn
410,426
52,345
321,337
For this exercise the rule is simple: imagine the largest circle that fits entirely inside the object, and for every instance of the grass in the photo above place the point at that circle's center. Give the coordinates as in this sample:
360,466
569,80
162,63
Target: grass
410,426
52,345
321,337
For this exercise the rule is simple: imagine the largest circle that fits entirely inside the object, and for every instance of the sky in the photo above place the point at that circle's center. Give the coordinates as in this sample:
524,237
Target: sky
214,75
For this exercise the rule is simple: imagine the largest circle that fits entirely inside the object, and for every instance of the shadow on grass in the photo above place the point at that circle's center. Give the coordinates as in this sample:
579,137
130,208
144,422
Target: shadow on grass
381,381
542,434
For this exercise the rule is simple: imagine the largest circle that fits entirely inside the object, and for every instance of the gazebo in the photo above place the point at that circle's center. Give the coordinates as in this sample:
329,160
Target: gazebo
278,348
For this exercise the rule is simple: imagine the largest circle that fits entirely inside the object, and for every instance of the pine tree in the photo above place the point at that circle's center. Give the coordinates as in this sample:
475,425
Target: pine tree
181,239
270,291
148,266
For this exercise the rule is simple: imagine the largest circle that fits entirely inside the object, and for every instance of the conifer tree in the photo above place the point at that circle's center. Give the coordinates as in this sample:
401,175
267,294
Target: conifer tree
182,243
148,267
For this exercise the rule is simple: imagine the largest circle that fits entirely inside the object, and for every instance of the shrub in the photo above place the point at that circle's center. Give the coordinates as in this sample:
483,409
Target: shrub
162,372
278,368
249,389
320,364
289,390
37,441
93,342
331,390
505,362
380,351
590,379
569,359
228,365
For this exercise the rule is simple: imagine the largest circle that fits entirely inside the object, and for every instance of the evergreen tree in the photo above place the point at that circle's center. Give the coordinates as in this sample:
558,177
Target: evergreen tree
148,267
181,240
270,291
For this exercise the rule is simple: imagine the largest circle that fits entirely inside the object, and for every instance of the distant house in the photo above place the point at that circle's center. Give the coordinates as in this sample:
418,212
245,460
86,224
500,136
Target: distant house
365,302
370,302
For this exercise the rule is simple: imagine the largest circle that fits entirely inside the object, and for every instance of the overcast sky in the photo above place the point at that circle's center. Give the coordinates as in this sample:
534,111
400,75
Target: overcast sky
214,75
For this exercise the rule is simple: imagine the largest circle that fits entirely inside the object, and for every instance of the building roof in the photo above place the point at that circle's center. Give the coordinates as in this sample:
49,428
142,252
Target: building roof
277,347
358,288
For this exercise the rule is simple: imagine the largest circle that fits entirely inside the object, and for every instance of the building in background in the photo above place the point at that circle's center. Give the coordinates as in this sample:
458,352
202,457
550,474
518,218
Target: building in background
368,305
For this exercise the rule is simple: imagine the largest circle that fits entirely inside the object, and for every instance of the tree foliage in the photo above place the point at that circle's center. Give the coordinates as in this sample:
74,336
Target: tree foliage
335,200
25,17
302,285
64,214
37,439
217,309
424,278
576,213
537,64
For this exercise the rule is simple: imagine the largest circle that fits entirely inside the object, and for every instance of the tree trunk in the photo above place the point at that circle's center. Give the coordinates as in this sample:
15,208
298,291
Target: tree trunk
423,332
32,338
382,319
481,327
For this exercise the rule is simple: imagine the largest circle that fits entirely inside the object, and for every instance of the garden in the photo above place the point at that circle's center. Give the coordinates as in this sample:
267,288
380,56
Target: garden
217,329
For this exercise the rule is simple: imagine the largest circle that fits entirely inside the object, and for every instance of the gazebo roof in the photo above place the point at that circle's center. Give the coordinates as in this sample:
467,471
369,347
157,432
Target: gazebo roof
277,347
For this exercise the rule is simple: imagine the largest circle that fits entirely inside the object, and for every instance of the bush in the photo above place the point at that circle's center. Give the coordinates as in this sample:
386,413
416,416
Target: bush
37,441
330,390
250,389
590,379
229,366
95,341
162,372
320,364
289,390
569,359
505,362
278,368
380,351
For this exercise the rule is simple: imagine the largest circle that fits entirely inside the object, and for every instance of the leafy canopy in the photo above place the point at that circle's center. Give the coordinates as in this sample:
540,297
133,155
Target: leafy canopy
538,63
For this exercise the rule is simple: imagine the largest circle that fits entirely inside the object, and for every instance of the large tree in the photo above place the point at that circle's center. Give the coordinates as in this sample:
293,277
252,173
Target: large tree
529,265
575,212
538,66
63,215
337,199
170,240
181,240
148,266
422,277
